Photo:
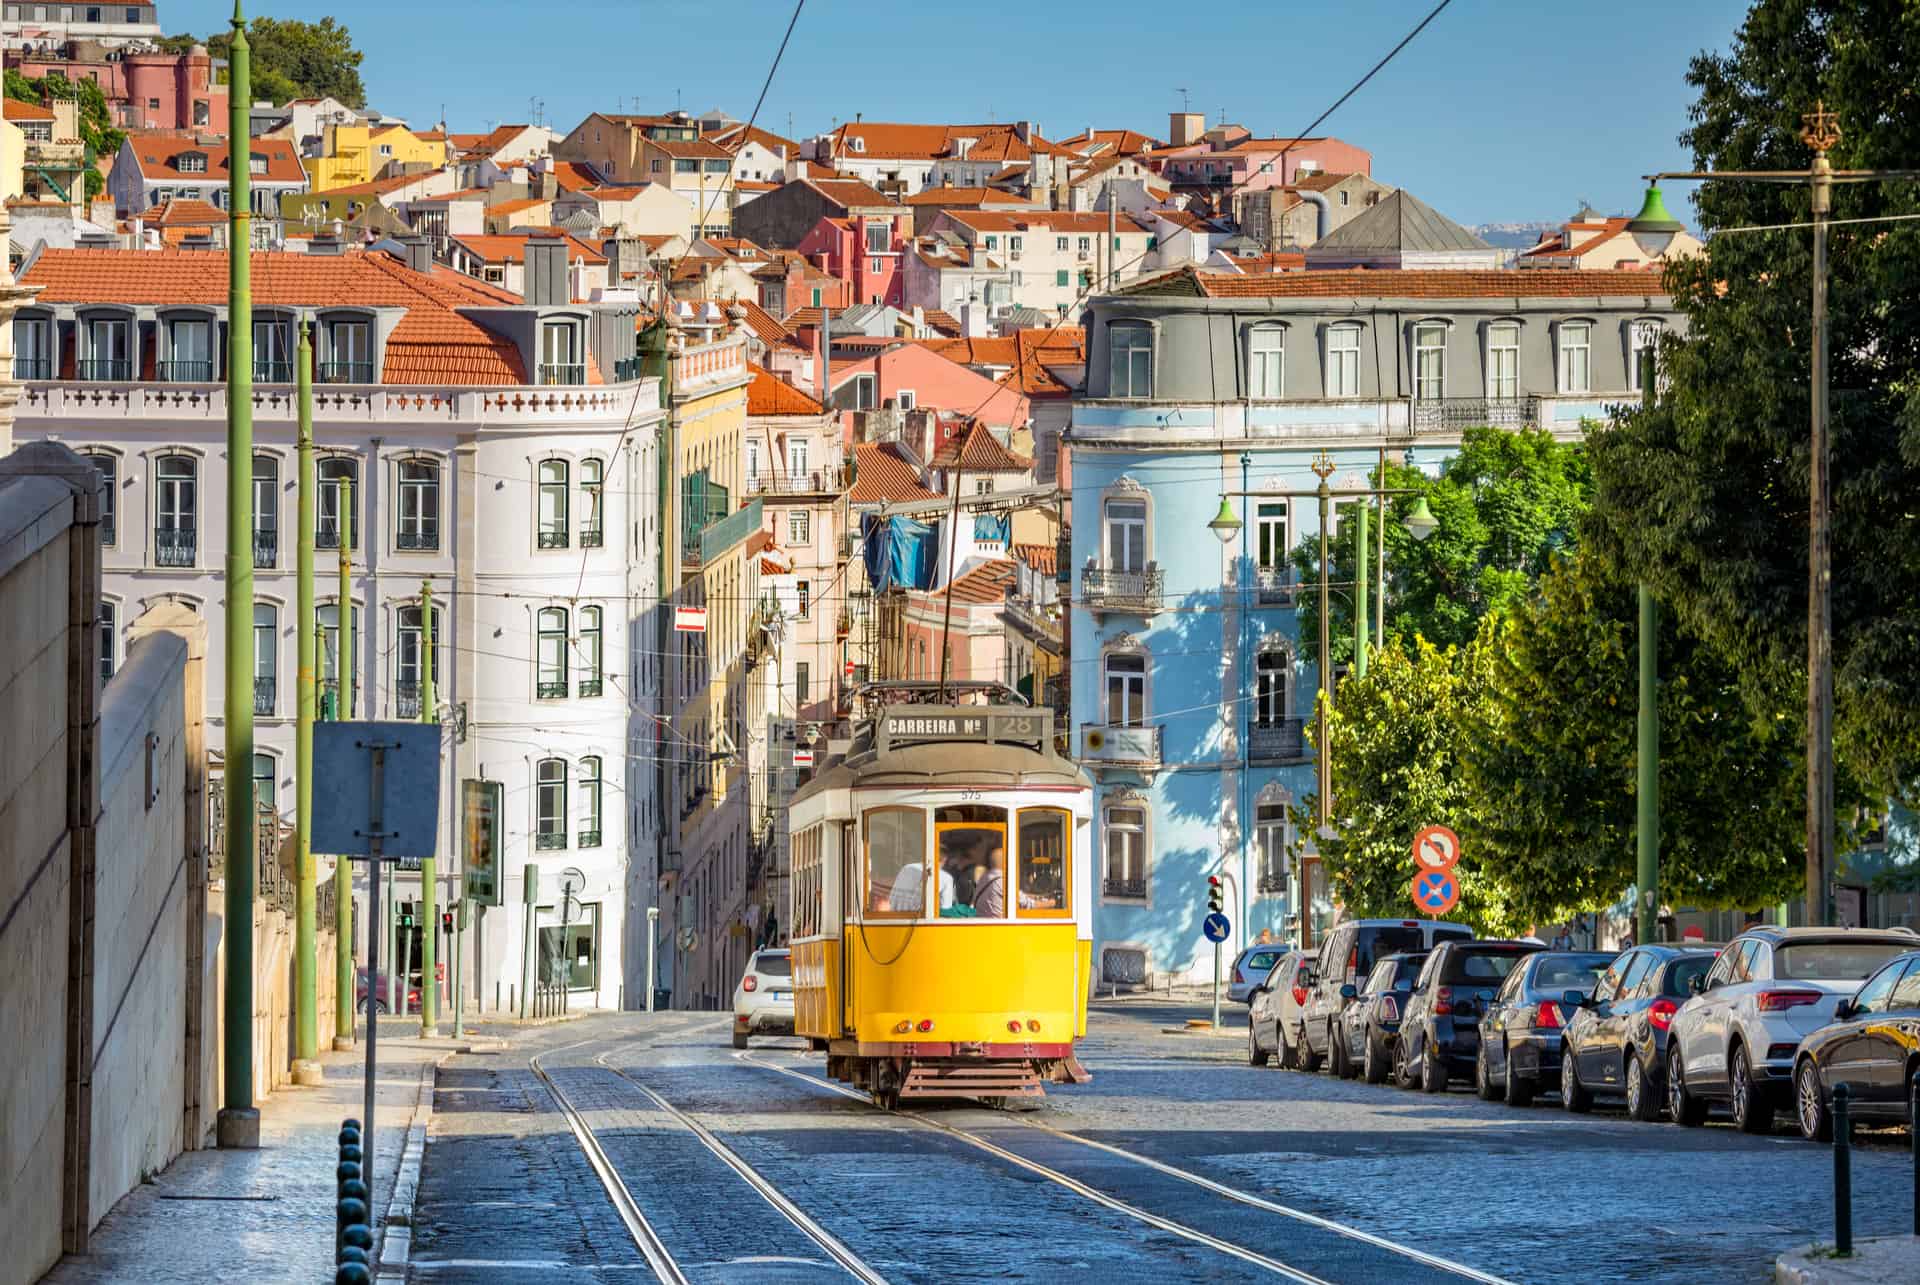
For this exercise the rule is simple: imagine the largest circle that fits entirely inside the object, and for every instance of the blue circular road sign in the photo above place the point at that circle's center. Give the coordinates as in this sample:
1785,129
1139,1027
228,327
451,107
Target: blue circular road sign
1216,927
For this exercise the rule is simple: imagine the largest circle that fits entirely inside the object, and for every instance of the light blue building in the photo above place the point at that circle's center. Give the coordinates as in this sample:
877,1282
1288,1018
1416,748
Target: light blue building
1189,707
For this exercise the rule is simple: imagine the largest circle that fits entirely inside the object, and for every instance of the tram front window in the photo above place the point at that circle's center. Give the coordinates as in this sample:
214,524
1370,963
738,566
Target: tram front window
897,863
1043,862
972,841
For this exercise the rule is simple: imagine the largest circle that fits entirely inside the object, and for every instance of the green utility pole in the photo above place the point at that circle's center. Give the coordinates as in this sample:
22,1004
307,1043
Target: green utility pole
1647,817
429,889
238,1124
343,709
306,949
1360,589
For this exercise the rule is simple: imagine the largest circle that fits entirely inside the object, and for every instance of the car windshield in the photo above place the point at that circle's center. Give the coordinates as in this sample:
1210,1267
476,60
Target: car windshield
774,966
1481,965
1680,976
1262,961
1569,972
1406,971
1832,961
1388,939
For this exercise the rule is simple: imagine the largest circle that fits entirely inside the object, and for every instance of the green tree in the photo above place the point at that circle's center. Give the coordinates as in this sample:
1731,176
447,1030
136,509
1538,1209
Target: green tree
1706,495
292,59
1506,502
1550,762
97,130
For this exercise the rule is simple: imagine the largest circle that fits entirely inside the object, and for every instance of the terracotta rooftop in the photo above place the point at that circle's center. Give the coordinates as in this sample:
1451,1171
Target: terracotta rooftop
515,206
431,344
990,581
17,109
964,196
882,477
1045,221
849,193
183,210
1041,557
979,451
1123,142
488,143
881,140
768,394
734,137
1398,283
507,247
158,157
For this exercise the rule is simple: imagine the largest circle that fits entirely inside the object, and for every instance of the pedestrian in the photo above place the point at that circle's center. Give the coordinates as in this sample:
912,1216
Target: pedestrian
1562,940
1265,938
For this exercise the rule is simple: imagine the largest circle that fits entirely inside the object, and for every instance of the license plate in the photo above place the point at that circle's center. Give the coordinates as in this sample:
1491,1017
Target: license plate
783,994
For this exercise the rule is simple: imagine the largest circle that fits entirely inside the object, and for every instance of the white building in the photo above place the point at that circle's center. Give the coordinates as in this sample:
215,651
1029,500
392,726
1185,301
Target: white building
112,25
1040,259
500,452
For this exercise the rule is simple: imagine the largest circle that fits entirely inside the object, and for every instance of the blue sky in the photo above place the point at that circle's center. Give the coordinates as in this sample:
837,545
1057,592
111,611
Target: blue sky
1501,110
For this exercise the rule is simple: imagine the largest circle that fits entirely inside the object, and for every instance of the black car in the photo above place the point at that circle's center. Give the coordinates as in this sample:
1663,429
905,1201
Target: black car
1369,1024
1439,1040
1347,956
1872,1046
1522,1030
1617,1041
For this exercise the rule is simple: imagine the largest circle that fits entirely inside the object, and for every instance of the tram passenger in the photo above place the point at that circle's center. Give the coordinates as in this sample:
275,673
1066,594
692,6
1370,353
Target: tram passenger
909,889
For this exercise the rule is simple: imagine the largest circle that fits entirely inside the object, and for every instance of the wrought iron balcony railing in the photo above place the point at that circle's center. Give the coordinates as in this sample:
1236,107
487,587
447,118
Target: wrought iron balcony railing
553,537
1107,589
1273,586
32,368
592,537
587,687
327,536
549,840
562,373
109,533
266,548
587,839
105,368
179,371
425,540
174,546
1131,888
406,699
345,372
266,371
550,691
265,687
1284,741
1442,413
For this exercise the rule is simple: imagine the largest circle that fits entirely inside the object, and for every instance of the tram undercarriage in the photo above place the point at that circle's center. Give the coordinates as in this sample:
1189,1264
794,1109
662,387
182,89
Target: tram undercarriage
961,1071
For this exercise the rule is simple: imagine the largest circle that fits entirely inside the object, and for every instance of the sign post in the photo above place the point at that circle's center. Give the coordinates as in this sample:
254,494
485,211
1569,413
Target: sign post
1435,888
356,765
1216,927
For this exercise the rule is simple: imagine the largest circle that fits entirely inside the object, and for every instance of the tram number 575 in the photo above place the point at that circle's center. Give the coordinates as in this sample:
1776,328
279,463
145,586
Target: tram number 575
970,796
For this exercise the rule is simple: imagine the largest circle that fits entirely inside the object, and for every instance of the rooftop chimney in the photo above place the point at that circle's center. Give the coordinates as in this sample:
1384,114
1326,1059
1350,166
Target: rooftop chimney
419,253
546,272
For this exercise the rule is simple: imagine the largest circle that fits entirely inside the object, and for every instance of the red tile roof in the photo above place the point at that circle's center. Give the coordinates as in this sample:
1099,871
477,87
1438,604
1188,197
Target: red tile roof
965,196
512,247
158,157
884,141
882,477
1123,142
431,344
1041,557
514,207
849,193
488,143
1045,221
734,137
979,451
1361,283
768,394
1036,350
945,322
183,210
987,582
19,110
691,148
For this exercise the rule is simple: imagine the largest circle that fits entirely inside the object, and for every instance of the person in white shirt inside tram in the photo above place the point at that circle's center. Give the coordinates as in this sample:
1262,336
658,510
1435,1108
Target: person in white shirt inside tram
909,890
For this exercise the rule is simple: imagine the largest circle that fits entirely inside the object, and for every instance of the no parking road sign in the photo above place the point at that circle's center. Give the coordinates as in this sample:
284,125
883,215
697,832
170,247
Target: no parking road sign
1436,848
1436,891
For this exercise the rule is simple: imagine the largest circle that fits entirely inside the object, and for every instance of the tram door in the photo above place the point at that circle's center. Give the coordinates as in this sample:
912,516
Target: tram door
852,886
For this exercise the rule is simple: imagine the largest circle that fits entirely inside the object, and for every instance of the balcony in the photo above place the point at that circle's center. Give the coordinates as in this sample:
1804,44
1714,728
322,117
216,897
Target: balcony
425,540
266,549
553,537
1273,587
345,372
550,372
1124,889
1105,589
327,536
174,546
551,691
185,372
1452,414
816,482
1108,745
592,537
265,687
32,368
587,839
266,371
1281,742
550,840
104,368
587,687
1271,882
406,699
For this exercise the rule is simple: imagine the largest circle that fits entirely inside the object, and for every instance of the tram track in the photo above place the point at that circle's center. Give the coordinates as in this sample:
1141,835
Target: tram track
1412,1255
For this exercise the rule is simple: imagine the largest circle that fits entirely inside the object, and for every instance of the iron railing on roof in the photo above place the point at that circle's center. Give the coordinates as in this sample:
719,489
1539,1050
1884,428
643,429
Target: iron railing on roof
562,372
806,483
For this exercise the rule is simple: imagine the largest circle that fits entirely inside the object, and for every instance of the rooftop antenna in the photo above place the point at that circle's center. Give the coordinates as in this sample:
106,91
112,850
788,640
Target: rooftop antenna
1184,104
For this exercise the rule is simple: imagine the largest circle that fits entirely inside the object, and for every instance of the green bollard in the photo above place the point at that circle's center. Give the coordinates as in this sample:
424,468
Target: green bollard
348,1214
346,1171
355,1254
358,1236
350,1151
352,1274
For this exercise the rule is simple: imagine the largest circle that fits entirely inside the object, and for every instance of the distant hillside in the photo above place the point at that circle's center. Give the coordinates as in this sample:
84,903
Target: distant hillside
1513,236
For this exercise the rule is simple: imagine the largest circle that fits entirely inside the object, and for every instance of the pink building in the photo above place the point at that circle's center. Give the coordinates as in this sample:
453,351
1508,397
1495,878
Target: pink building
143,90
909,376
976,633
863,250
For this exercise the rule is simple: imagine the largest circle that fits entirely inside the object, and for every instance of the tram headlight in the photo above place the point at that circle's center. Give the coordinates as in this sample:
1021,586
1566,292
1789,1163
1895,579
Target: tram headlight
1033,1023
902,1027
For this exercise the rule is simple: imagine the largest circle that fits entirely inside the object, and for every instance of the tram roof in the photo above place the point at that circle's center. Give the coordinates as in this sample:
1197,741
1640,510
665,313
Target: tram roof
994,746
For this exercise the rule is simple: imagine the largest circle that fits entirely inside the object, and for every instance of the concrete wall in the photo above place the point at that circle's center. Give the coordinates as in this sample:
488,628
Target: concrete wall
36,515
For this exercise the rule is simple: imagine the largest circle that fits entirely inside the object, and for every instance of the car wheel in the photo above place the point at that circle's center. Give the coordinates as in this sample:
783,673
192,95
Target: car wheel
1483,1078
1309,1060
1373,1062
1682,1107
1573,1095
1338,1064
1810,1103
1256,1056
1519,1089
1433,1070
1283,1051
1642,1103
1752,1111
380,1007
739,1039
1402,1071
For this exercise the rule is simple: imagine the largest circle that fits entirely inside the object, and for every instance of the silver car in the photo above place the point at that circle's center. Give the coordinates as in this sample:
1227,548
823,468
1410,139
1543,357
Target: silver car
1274,1011
763,1001
1251,967
1770,988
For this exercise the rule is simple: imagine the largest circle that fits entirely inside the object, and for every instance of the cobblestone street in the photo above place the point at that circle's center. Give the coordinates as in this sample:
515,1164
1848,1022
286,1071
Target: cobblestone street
1355,1183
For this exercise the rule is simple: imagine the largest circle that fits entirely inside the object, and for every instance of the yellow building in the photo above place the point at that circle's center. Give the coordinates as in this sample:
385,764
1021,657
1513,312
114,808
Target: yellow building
351,154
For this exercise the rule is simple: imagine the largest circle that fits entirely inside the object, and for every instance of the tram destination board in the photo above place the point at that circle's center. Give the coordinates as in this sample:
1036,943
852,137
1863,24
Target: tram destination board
920,724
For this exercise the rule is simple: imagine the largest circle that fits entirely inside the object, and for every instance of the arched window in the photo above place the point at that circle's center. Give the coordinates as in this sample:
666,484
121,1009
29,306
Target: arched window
553,504
550,805
419,530
408,674
266,511
176,515
1129,359
590,802
109,468
591,652
593,477
1266,360
551,656
266,657
339,500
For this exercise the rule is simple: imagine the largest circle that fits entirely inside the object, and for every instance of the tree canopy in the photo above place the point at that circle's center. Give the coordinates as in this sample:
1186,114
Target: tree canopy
97,130
293,59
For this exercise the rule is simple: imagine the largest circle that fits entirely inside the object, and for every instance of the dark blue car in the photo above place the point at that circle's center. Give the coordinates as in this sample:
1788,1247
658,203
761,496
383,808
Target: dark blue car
1617,1041
1523,1030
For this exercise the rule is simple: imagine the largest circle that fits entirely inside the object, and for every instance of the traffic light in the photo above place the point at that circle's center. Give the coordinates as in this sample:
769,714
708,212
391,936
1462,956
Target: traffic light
406,914
1214,901
446,922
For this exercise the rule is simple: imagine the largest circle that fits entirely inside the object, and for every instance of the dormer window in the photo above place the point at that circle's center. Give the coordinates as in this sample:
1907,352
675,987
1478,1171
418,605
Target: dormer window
256,163
349,353
189,350
191,163
857,144
561,358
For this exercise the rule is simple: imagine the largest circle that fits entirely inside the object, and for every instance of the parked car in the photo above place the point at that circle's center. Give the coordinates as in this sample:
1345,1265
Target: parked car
1350,952
1439,1040
1250,968
1275,1007
380,994
1524,1029
763,1001
1872,1046
1737,1038
1371,1021
1617,1040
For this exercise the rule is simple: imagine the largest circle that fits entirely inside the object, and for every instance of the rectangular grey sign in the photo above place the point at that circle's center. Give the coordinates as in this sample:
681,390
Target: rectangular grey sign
343,788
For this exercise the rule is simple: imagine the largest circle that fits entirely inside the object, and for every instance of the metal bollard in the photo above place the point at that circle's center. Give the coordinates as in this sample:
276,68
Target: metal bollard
346,1171
1842,1174
348,1214
352,1274
359,1236
350,1151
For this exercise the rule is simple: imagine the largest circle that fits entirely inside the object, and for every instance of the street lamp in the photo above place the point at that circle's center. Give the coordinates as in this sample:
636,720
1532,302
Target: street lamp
1226,523
1653,228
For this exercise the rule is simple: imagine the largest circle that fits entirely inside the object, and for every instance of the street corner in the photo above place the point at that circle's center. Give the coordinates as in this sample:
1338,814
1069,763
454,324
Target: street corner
1882,1260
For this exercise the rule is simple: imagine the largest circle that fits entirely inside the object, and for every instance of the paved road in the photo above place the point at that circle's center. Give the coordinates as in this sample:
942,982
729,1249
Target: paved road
1358,1183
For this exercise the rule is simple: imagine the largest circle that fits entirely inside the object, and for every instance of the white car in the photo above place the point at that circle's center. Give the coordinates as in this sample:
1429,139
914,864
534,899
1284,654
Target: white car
1771,987
1275,1009
763,1001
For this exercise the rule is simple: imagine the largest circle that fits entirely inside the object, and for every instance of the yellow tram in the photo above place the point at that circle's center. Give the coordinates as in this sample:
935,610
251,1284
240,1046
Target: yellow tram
942,901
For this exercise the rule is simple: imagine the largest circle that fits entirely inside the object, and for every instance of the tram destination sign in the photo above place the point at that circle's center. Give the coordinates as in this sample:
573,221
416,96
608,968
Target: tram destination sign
977,724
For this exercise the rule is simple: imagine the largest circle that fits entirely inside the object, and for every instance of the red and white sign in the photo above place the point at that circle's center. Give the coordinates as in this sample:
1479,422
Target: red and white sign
690,620
849,669
803,758
1436,848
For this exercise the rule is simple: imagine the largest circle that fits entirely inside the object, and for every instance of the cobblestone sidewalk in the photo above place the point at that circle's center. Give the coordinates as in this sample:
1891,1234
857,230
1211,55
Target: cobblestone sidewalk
263,1215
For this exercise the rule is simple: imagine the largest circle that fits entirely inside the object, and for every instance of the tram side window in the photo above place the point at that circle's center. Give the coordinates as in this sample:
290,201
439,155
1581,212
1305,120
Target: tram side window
1044,834
972,861
897,861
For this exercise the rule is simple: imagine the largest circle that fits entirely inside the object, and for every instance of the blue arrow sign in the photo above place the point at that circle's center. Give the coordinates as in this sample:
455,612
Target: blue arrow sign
1435,891
1216,927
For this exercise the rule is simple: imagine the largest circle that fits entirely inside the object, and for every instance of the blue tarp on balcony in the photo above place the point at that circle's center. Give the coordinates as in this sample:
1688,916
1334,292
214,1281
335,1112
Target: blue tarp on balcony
899,552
